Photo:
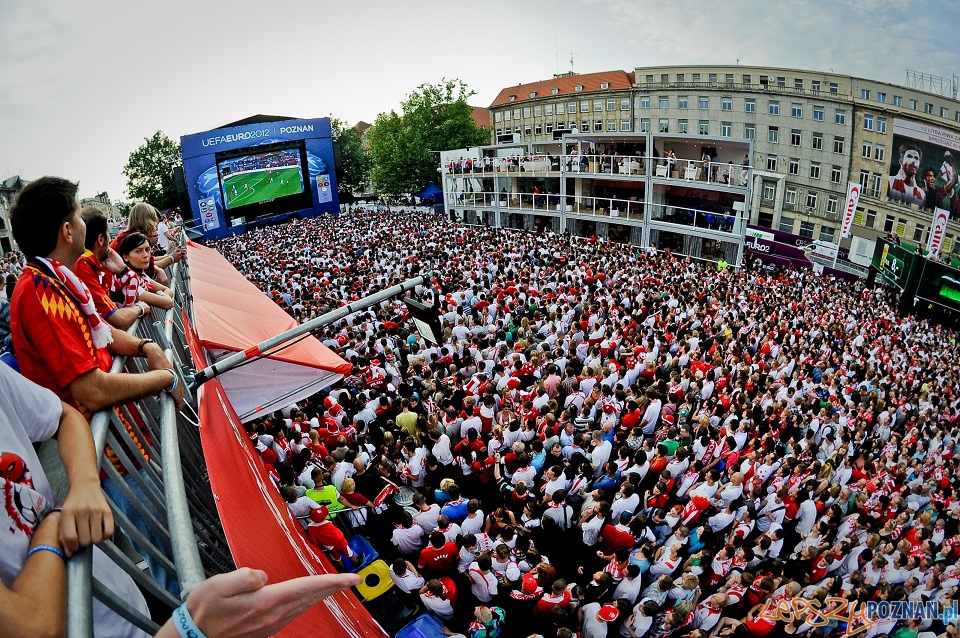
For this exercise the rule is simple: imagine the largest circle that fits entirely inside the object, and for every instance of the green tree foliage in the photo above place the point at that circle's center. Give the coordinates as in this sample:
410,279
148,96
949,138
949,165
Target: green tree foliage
436,117
149,171
353,171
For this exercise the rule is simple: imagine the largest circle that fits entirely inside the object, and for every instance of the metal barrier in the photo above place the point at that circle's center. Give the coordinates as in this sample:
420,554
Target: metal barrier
169,520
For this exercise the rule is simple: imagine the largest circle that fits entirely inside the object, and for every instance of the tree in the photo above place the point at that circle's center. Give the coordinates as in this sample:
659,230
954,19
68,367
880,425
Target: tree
353,170
149,171
436,117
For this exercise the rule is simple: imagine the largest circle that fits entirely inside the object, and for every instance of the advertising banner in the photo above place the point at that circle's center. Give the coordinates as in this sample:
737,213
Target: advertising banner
853,198
923,167
938,231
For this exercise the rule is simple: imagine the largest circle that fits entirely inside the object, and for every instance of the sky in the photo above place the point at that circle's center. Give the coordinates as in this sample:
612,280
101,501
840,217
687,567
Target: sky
82,83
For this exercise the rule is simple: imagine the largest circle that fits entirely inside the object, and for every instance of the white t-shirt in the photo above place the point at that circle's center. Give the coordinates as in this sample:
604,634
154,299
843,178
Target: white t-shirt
30,414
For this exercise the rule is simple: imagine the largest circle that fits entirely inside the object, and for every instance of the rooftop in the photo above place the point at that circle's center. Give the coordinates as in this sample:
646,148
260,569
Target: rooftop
566,85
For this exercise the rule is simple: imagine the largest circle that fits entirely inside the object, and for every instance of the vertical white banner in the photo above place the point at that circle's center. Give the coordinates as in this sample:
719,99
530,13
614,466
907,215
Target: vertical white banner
853,198
937,231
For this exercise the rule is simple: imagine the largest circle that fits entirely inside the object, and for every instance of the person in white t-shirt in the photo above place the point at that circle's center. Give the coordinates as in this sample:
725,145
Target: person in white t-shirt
405,576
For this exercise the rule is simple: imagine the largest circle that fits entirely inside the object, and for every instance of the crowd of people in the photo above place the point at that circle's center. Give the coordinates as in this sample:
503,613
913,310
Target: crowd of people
615,442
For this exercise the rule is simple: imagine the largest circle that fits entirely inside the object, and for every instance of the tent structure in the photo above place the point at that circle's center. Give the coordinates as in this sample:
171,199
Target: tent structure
431,190
231,315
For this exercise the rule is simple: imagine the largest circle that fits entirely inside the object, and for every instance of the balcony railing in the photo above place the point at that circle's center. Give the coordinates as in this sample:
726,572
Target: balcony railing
631,209
724,222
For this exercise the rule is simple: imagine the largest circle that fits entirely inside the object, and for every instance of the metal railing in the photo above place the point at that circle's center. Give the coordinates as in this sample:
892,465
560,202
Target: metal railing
169,519
550,203
726,222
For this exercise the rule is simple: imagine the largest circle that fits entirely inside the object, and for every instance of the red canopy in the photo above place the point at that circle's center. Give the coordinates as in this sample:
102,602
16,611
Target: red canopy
231,315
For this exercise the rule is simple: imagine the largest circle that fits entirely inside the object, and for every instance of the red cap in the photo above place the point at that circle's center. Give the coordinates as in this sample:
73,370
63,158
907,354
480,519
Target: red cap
319,514
608,613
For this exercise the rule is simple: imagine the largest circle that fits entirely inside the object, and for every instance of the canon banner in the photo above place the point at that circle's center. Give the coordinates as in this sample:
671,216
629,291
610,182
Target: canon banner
853,198
923,167
937,231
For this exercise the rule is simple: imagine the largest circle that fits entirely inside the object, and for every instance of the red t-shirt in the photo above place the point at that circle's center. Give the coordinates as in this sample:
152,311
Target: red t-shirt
98,280
326,534
439,560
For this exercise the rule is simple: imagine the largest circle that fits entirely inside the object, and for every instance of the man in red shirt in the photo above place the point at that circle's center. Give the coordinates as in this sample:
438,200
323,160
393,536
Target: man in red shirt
327,535
96,268
440,556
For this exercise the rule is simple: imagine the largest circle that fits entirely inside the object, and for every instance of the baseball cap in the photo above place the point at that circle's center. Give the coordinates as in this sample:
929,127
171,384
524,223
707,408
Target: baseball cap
319,514
608,613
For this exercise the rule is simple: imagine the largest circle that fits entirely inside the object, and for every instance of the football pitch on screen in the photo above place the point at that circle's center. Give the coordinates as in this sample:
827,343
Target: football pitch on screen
250,188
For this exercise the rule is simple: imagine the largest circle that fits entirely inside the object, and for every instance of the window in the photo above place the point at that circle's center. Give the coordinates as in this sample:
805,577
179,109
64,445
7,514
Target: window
806,229
649,78
604,85
664,125
696,77
888,222
814,85
726,129
897,100
625,124
726,104
611,125
867,122
578,88
790,197
526,131
834,87
798,84
812,199
866,150
794,166
598,106
864,94
584,106
781,82
773,107
498,117
611,104
786,225
913,104
728,78
956,116
533,94
746,79
768,191
585,126
871,220
772,163
864,179
624,104
571,107
881,125
549,128
879,153
644,124
554,91
795,137
664,102
682,102
560,109
548,109
704,127
818,141
516,114
526,111
703,103
918,233
836,174
814,170
537,111
875,185
506,116
598,126
680,78
513,97
682,126
827,232
713,78
928,108
773,135
944,112
644,101
881,97
750,105
841,117
538,129
664,78
796,110
818,114
838,144
750,131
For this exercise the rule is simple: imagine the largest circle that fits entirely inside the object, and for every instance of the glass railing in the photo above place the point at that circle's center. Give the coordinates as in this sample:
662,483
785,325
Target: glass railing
724,222
553,203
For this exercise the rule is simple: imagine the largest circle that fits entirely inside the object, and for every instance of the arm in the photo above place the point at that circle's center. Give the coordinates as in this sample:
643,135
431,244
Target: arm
86,517
123,318
240,604
35,604
157,299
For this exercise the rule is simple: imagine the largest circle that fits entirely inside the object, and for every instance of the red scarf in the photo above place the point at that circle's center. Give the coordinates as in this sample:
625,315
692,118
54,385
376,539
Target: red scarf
99,329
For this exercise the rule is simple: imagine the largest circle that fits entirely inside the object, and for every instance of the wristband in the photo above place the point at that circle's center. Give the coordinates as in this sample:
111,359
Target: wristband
143,342
184,623
47,548
176,381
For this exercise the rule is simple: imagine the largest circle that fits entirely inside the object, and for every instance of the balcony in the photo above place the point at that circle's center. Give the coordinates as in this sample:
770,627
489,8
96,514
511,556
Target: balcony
550,203
725,222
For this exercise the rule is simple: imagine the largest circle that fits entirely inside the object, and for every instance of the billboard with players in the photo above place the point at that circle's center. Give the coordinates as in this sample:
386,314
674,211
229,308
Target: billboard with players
261,172
923,167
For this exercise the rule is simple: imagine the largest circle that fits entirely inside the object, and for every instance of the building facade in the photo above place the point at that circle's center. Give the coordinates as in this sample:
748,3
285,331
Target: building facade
9,188
810,134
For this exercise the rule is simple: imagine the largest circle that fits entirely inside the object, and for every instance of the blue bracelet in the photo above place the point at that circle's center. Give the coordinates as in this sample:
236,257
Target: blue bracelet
176,381
183,621
47,548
